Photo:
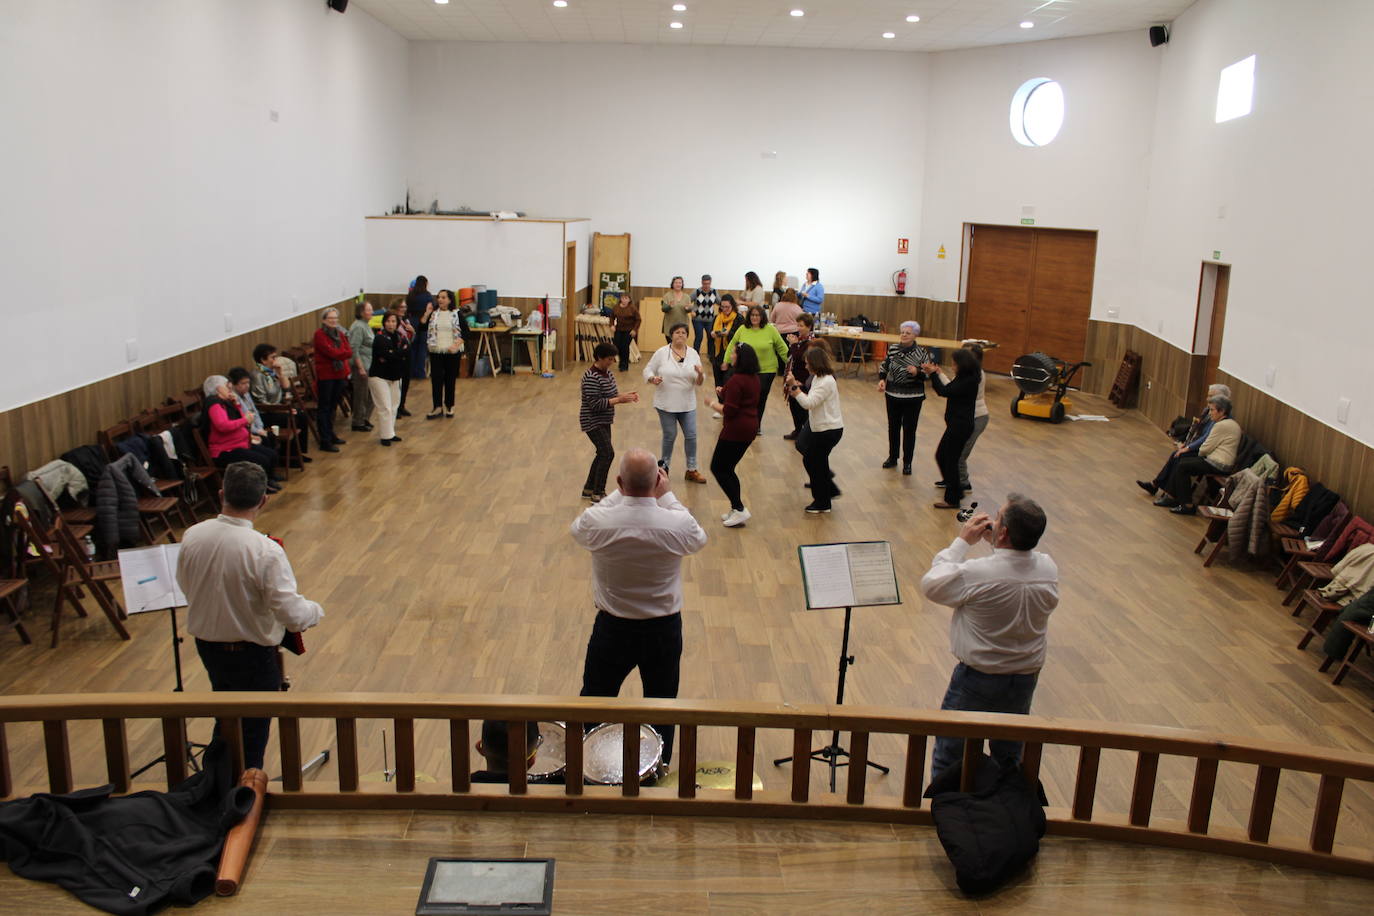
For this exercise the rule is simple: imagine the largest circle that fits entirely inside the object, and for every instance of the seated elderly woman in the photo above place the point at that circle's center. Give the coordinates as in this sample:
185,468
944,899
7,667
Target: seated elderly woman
1189,446
1216,455
226,431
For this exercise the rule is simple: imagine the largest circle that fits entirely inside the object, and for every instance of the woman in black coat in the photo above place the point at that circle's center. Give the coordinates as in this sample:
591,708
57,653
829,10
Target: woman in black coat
961,396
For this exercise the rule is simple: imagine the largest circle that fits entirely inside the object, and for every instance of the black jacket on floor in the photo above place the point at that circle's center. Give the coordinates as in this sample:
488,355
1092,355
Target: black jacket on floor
129,855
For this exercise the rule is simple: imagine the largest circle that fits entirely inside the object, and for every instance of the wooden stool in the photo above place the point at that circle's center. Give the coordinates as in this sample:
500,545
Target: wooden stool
1217,521
1363,640
1326,612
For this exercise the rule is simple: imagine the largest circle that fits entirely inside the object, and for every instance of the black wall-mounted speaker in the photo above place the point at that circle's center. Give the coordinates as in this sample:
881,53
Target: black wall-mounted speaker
1159,35
342,6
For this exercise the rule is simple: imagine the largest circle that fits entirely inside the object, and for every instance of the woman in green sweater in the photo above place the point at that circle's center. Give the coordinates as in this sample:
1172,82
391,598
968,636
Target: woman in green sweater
769,347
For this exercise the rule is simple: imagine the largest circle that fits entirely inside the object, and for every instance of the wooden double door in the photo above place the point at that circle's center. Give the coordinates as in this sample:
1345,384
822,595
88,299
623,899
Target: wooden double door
1029,289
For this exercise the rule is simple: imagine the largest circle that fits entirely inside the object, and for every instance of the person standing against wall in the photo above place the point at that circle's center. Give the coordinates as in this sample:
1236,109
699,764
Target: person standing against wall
812,293
704,303
444,339
332,354
418,301
360,336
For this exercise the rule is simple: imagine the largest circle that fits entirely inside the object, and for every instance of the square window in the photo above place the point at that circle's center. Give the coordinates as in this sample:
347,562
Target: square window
1236,90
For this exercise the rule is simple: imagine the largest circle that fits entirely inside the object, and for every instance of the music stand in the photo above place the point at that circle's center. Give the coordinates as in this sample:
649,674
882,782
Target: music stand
847,575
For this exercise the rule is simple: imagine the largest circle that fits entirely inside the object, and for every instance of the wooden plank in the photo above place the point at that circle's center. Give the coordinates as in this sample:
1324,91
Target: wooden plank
914,772
116,753
972,748
1262,803
289,739
405,754
231,730
801,764
6,769
574,775
687,761
57,747
517,750
744,763
1030,761
1204,788
1328,810
346,737
858,768
1085,784
460,760
630,761
174,749
1143,790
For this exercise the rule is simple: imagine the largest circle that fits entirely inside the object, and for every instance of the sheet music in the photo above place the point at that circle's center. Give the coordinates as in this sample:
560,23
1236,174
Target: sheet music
870,571
148,575
858,574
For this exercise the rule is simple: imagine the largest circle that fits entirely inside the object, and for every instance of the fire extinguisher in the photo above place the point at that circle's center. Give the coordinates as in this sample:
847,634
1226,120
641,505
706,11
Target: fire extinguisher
899,281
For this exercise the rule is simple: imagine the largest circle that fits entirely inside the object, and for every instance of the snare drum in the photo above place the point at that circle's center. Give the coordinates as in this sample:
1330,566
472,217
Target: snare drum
604,754
551,760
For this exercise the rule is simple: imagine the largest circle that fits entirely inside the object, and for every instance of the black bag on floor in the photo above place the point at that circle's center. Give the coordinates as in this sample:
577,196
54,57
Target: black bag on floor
991,833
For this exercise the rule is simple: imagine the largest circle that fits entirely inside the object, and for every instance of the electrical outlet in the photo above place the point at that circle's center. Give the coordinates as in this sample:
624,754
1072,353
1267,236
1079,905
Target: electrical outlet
1149,383
295,303
1343,410
228,322
272,115
1161,326
1112,313
131,350
1269,375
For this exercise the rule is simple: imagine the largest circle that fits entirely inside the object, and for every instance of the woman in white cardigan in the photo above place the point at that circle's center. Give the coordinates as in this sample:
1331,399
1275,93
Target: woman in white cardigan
826,426
675,371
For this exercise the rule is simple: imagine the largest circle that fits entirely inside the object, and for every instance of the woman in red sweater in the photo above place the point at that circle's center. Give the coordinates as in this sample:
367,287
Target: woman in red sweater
332,354
739,409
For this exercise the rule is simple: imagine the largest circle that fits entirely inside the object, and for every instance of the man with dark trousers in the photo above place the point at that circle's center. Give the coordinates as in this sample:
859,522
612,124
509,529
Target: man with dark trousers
637,536
241,598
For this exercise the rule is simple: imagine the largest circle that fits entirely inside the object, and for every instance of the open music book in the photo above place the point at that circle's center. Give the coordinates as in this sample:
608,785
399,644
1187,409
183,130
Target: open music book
149,576
857,574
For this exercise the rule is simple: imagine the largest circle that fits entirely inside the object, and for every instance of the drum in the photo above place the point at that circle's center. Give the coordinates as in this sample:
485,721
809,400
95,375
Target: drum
552,758
603,753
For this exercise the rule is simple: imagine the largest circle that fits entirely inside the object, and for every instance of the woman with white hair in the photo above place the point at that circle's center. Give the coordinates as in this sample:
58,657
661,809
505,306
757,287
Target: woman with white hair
227,435
903,384
1192,442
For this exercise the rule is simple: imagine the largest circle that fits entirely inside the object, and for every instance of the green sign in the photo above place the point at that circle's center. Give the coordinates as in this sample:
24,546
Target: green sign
1216,255
1027,221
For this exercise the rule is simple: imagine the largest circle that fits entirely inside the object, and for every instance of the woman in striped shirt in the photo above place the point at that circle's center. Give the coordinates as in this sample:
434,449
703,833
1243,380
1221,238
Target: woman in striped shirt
599,397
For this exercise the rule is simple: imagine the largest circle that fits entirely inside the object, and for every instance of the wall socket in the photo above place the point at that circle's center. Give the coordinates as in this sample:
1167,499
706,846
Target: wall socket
1161,327
1149,383
228,322
1343,410
295,303
1112,313
131,350
1269,375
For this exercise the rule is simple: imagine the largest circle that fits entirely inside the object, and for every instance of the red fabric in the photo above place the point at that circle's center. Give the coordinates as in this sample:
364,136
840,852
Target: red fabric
741,414
1356,533
326,353
227,434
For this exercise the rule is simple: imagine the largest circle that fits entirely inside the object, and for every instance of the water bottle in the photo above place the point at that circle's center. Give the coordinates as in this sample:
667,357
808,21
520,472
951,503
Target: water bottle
90,547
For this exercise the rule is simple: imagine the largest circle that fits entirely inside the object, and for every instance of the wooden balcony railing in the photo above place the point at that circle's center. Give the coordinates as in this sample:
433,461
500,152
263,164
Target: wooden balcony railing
805,723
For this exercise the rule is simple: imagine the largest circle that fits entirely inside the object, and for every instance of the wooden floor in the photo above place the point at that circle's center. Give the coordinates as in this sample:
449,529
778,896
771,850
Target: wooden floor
444,564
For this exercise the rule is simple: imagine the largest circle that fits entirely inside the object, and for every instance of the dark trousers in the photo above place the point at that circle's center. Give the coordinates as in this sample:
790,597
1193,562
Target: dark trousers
622,346
947,457
243,666
701,330
362,402
1162,478
601,462
443,376
765,386
405,390
816,460
417,353
798,414
330,392
1181,478
972,690
723,461
619,645
261,455
902,416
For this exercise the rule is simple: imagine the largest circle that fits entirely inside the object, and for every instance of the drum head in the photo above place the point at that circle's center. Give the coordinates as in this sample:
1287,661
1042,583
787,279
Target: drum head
552,756
604,751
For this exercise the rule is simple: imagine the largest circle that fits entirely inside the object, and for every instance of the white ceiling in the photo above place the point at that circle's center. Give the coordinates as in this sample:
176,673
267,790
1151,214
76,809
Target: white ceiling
945,25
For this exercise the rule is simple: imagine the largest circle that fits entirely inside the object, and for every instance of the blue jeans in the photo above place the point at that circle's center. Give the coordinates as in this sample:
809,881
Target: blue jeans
700,329
971,690
669,422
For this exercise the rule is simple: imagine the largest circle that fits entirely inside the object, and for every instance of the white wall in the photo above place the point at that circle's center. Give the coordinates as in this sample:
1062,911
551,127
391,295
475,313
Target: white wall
665,143
146,192
513,257
1093,176
1293,177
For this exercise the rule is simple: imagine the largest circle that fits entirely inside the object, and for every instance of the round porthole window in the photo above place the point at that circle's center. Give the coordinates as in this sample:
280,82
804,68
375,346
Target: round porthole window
1037,111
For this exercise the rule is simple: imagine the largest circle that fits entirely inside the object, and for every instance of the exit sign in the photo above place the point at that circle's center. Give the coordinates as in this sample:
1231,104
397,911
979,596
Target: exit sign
1027,221
1216,255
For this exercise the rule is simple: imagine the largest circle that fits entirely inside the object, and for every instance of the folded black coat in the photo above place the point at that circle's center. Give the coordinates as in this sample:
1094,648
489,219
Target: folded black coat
130,855
1313,507
991,833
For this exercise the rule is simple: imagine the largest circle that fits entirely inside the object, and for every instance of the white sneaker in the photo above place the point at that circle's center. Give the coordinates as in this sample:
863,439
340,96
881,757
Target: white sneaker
735,519
727,515
715,416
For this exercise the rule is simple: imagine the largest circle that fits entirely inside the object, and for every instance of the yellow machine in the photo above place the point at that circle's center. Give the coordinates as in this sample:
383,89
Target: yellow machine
1044,383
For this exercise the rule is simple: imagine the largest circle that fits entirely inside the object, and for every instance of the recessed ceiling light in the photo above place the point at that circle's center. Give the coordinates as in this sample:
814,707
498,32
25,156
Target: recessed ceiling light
799,12
889,34
560,3
679,7
1028,24
674,25
913,19
441,2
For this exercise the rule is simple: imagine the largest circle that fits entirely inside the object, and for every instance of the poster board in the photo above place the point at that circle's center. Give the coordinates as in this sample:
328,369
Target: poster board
853,574
610,254
149,577
610,284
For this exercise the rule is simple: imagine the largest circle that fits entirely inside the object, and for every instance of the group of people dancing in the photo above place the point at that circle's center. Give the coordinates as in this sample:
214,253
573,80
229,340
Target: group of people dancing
748,352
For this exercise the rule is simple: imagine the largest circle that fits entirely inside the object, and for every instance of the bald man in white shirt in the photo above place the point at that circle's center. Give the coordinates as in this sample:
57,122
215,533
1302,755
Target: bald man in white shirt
241,598
637,536
1002,605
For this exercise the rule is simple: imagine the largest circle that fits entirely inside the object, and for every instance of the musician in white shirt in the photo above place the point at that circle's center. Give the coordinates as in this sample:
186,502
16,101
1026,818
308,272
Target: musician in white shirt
241,598
1002,605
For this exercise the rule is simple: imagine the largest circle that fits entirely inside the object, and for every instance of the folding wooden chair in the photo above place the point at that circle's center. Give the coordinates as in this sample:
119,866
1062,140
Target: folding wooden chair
9,591
1315,573
108,439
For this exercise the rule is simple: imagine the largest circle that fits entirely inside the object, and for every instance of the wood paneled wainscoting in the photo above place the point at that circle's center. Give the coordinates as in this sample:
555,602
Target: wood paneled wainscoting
34,434
938,317
434,730
1165,370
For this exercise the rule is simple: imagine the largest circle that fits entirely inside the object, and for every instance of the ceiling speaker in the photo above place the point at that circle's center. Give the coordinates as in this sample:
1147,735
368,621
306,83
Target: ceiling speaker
342,6
1159,34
